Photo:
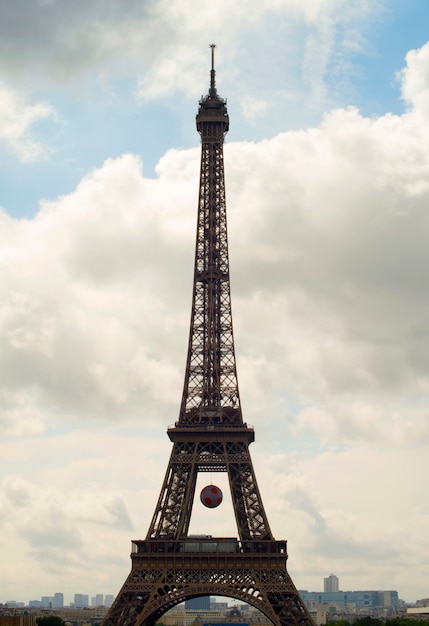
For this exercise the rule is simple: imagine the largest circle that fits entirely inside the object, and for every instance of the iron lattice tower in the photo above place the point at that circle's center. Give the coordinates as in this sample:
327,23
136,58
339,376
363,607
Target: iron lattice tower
209,436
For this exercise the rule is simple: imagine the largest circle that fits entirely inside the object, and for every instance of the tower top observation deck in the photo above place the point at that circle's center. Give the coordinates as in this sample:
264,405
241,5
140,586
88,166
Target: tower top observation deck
212,107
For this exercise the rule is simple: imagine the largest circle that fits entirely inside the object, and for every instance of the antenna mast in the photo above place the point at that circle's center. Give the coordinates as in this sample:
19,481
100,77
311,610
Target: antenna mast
212,91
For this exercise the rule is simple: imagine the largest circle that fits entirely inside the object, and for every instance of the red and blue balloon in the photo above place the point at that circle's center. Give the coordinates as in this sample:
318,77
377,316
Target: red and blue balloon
211,496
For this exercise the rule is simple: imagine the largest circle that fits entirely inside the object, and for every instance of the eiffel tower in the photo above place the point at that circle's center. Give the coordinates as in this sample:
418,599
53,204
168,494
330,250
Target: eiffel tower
170,565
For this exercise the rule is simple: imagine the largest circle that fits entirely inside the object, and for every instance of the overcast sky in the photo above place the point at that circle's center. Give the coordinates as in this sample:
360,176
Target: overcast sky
327,172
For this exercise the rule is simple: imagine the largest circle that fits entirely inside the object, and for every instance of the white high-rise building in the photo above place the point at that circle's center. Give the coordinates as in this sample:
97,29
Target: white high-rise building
331,584
80,601
58,600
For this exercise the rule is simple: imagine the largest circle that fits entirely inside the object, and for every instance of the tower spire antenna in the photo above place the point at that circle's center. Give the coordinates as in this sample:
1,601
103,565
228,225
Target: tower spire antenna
212,91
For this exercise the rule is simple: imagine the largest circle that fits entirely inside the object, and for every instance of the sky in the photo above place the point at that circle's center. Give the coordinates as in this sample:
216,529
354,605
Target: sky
327,180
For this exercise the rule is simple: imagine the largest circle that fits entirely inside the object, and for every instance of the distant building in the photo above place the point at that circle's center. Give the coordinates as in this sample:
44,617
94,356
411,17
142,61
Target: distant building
58,600
218,606
423,602
85,614
347,600
331,584
80,600
108,599
418,612
226,623
198,604
192,618
320,614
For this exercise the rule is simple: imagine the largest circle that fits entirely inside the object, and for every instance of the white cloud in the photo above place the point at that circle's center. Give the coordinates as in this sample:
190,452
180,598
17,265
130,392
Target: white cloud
252,108
415,79
82,296
166,43
17,119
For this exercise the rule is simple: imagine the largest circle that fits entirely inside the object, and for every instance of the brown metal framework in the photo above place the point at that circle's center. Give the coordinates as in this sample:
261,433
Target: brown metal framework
210,435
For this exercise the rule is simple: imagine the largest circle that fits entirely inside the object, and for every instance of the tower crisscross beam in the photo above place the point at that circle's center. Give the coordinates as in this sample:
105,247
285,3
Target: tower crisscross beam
211,376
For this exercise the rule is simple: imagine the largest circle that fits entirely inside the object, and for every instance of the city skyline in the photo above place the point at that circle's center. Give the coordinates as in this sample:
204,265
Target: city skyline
82,600
327,186
331,589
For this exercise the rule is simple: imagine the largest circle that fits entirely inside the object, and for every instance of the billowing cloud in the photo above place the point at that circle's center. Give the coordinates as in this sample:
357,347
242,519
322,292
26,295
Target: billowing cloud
83,289
415,81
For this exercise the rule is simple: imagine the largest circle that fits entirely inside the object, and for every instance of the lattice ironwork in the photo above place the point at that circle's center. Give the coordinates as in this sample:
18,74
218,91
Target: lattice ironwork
210,391
165,573
209,436
207,451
